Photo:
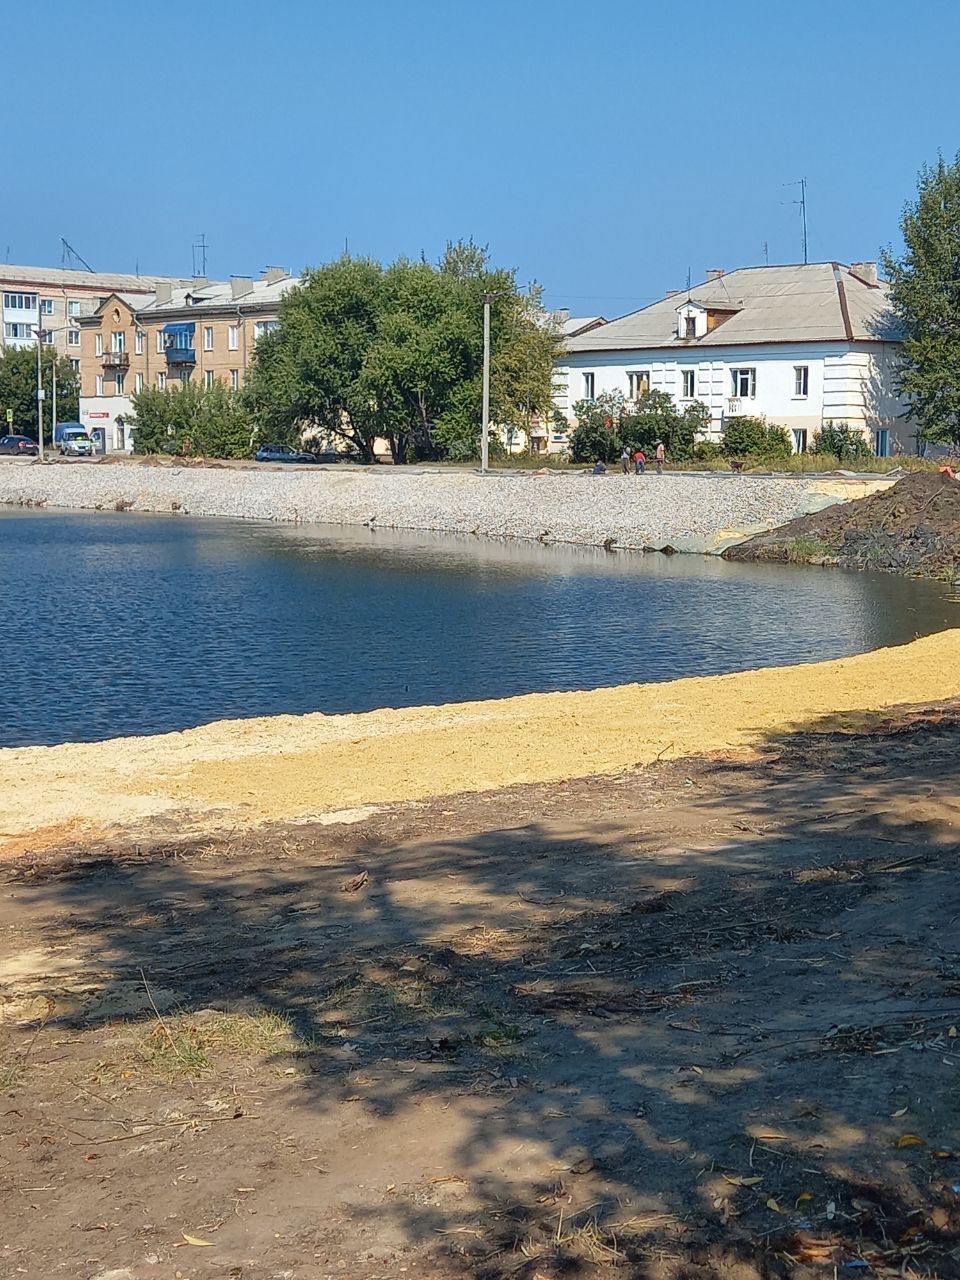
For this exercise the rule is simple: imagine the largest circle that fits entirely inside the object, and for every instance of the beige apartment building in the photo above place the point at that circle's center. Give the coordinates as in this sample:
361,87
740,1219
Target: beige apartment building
54,300
202,332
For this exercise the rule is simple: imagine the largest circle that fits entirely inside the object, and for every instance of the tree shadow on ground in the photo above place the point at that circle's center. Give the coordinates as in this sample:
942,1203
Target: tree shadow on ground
668,1039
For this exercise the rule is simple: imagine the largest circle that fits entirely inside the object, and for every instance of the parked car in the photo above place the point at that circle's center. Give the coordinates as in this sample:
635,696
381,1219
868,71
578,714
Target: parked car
76,444
21,446
334,455
67,428
282,453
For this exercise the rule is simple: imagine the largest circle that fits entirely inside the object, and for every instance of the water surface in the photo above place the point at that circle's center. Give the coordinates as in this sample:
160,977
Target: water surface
116,624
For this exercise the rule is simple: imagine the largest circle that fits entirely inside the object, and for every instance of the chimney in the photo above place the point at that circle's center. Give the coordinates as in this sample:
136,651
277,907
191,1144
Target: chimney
562,315
240,286
273,275
715,273
866,271
672,293
163,293
200,282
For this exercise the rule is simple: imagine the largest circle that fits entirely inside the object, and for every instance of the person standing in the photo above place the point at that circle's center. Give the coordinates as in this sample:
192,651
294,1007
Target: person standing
661,457
625,460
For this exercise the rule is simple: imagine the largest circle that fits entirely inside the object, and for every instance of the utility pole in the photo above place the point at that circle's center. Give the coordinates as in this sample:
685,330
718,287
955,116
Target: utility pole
485,418
53,406
803,215
40,392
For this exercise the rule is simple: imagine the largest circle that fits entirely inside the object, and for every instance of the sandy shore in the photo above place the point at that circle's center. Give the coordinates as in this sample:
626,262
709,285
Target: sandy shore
245,772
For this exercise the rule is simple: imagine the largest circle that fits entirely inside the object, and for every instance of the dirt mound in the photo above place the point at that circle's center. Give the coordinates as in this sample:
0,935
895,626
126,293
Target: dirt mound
911,528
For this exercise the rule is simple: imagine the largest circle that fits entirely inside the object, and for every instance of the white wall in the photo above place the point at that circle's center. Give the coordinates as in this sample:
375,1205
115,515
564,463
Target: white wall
101,413
851,384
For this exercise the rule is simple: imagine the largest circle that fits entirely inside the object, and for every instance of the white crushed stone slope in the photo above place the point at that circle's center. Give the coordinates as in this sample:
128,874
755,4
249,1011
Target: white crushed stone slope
688,512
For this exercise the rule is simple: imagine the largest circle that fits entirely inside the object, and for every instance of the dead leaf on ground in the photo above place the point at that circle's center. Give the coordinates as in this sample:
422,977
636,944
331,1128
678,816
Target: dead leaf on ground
772,1204
354,883
737,1181
195,1240
910,1140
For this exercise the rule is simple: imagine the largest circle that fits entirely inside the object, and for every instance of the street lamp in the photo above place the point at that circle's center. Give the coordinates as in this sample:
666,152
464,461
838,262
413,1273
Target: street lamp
41,394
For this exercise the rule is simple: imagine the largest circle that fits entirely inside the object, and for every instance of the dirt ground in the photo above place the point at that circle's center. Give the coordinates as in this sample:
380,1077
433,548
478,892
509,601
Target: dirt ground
696,1020
912,528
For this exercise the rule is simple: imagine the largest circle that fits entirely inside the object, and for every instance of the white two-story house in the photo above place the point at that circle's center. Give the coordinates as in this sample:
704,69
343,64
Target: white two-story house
799,345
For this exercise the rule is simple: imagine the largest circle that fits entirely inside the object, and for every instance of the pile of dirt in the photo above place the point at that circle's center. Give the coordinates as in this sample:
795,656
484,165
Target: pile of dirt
911,528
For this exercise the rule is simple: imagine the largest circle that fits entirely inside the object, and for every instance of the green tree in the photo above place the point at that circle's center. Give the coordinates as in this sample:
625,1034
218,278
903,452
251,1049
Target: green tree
18,389
925,296
597,433
844,443
746,436
193,420
363,351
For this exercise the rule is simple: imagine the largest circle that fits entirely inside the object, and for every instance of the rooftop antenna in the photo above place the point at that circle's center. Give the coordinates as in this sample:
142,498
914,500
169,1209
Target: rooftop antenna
766,254
802,202
68,251
200,255
688,283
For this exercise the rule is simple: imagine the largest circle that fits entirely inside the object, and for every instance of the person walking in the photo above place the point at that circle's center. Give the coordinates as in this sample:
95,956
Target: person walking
625,460
661,457
639,461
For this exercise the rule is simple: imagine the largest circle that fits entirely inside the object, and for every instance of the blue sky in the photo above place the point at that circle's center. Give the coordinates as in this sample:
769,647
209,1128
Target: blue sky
601,148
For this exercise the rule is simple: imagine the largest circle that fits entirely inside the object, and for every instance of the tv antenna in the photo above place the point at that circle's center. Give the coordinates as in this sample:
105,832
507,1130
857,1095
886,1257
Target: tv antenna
68,252
200,255
802,202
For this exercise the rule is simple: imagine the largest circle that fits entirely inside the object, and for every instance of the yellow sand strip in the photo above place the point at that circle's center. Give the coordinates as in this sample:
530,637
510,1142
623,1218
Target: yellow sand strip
242,772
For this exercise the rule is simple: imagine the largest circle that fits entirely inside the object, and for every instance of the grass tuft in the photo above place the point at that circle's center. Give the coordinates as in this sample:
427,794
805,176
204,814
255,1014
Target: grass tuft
186,1045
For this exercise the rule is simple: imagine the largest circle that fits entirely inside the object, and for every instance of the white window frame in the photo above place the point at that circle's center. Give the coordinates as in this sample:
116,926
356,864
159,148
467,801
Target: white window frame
118,340
589,385
76,365
209,378
208,337
161,382
137,382
689,380
233,337
234,379
138,342
73,337
161,342
99,384
20,301
47,336
121,380
98,345
801,382
746,376
638,383
73,308
46,306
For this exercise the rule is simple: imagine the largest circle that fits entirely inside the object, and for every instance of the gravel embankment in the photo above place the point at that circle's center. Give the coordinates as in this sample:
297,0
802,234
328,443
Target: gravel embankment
689,513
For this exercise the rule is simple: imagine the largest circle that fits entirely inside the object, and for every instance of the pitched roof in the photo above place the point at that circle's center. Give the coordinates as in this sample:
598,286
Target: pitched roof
574,325
61,277
815,302
219,293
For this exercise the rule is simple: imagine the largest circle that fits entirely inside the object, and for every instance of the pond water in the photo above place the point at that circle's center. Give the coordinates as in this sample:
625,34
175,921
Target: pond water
115,624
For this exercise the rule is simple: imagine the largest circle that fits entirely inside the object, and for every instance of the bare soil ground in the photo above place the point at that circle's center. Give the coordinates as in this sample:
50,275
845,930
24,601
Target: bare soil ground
698,1020
912,528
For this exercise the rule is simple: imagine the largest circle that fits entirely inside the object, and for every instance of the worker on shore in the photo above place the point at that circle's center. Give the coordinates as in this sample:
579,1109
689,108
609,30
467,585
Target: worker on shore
661,456
639,461
625,460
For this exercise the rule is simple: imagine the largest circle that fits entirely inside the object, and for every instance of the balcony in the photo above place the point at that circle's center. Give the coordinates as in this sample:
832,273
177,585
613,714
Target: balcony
115,360
181,356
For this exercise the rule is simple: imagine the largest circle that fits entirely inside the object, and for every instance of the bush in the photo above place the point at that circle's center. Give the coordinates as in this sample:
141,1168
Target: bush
752,437
707,451
190,419
597,433
846,444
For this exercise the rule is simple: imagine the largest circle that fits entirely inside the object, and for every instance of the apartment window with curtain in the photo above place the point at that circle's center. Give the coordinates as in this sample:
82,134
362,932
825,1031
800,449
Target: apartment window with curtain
138,382
234,379
208,379
689,383
161,344
801,381
138,342
118,341
744,383
73,337
73,309
161,382
638,383
208,337
233,337
121,382
46,306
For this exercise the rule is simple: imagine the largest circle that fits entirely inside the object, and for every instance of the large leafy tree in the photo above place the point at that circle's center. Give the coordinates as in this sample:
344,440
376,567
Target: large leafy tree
192,419
364,351
925,294
18,389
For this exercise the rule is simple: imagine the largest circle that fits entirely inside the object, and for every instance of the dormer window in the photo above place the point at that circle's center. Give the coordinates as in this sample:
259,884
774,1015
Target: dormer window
689,326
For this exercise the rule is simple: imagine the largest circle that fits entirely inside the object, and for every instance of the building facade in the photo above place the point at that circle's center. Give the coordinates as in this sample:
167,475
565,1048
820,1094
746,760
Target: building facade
54,300
799,345
204,332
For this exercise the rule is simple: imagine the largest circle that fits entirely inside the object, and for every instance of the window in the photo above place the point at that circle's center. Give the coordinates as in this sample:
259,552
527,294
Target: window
690,326
264,326
118,341
121,379
46,337
234,379
138,342
799,440
161,382
588,385
233,337
99,384
20,301
689,383
18,330
76,365
73,337
744,383
138,382
801,381
208,337
46,306
208,379
638,383
73,308
99,344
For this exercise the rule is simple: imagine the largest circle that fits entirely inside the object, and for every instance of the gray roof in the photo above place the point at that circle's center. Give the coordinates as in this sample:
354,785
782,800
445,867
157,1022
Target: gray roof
60,277
219,293
815,302
580,324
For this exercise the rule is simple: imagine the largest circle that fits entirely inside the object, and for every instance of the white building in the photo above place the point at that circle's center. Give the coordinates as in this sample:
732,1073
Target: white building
799,345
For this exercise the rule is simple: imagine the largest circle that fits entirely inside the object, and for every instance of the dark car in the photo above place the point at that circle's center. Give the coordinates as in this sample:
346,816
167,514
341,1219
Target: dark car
22,446
334,455
282,453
